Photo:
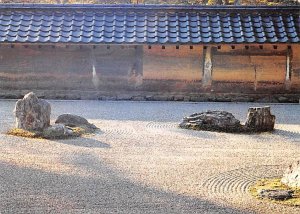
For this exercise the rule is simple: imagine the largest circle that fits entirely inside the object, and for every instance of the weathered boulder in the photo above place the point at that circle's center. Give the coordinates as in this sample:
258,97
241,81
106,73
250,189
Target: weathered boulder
32,113
259,119
212,121
291,176
275,194
74,121
57,131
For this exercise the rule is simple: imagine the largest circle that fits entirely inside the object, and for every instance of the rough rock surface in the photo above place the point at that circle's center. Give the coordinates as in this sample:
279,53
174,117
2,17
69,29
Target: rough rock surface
74,121
291,176
276,194
260,119
32,113
57,131
212,121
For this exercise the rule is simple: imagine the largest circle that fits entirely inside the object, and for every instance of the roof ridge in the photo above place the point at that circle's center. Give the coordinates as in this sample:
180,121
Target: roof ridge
146,7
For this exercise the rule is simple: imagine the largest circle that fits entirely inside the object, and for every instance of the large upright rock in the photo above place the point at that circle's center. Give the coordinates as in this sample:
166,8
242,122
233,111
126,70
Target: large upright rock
291,176
260,119
31,113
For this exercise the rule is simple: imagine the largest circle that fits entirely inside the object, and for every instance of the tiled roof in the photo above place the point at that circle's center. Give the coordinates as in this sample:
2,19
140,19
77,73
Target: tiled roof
133,24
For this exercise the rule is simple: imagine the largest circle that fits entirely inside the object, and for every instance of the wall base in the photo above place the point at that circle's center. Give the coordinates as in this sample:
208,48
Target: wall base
153,96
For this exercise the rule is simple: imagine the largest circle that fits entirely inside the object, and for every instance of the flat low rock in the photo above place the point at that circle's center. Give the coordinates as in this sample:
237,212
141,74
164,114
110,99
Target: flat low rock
32,114
276,194
74,121
57,131
291,176
212,121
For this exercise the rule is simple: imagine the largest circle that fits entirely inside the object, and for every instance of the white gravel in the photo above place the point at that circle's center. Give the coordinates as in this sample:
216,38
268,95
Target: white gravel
140,162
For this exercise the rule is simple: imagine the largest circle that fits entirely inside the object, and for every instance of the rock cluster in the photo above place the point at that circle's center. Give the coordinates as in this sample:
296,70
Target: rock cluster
291,176
259,119
32,114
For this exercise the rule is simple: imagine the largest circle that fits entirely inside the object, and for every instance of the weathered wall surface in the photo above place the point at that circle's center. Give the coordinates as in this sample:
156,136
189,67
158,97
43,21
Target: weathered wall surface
251,69
138,72
171,69
66,68
170,63
295,75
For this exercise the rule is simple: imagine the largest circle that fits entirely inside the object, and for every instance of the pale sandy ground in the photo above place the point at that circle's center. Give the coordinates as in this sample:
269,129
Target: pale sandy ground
140,162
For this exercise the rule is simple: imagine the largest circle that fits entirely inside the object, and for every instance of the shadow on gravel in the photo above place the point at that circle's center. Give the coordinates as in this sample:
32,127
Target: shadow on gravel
290,135
101,190
198,134
84,142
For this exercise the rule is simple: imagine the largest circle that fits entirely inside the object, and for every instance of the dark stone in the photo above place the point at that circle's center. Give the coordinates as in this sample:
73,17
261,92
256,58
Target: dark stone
271,99
259,119
275,194
74,121
212,121
283,99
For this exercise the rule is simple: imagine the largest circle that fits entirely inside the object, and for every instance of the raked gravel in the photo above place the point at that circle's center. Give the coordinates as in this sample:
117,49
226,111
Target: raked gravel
141,162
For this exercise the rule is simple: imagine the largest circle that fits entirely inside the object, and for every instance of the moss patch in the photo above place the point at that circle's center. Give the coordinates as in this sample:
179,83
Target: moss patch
24,133
275,184
76,132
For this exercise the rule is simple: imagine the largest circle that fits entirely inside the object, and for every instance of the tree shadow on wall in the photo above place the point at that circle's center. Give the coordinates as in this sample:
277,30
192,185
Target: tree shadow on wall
95,187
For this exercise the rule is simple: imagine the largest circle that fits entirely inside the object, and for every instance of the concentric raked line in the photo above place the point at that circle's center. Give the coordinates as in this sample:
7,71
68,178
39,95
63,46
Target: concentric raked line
238,181
162,125
117,132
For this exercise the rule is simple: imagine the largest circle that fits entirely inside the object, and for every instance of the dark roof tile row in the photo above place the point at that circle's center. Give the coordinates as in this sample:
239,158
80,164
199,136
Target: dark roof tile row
147,26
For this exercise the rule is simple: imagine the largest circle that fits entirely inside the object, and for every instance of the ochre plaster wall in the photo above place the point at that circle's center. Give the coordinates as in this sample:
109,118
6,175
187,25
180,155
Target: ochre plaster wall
173,64
118,69
63,67
259,67
295,76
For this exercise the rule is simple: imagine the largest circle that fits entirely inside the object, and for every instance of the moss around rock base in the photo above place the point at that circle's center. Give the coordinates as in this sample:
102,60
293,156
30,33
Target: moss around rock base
46,134
23,133
275,184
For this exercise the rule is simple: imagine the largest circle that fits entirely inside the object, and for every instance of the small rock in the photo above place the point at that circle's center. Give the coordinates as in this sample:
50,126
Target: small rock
212,121
291,176
57,131
74,121
275,194
32,114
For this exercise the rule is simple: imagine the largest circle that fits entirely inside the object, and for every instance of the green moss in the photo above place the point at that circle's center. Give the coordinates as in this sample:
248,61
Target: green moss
24,133
275,184
76,132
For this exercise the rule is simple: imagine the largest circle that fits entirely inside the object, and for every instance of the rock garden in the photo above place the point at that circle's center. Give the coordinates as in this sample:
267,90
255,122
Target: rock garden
32,117
33,120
